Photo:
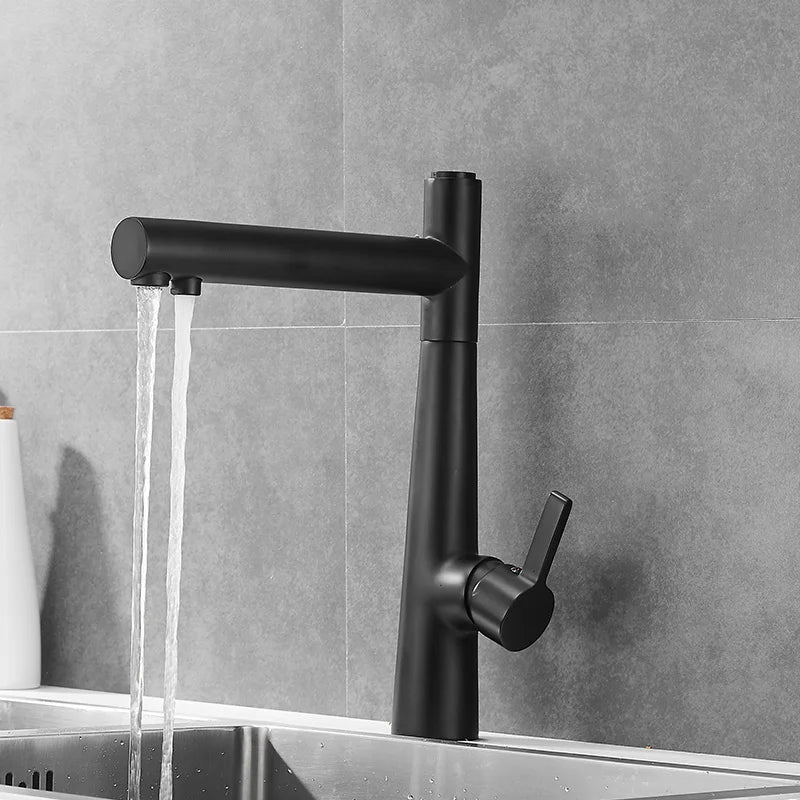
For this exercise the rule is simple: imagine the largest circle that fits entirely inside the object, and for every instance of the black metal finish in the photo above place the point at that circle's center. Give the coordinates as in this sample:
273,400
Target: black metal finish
449,591
453,216
513,606
436,673
143,250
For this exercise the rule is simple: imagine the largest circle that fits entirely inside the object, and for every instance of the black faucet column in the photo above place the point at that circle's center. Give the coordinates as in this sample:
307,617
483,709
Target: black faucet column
436,675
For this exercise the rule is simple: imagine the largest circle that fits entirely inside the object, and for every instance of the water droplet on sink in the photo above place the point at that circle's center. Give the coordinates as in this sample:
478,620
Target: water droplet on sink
322,744
431,780
411,797
566,788
289,771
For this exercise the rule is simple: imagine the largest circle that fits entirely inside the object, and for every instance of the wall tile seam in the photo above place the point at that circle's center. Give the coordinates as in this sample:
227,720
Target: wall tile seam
346,426
349,326
344,348
344,146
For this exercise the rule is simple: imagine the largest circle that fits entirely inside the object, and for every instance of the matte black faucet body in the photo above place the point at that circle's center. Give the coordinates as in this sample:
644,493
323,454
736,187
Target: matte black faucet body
450,592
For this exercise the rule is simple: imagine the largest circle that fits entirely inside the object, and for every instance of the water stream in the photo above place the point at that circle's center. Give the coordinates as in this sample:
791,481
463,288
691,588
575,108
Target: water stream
184,308
148,301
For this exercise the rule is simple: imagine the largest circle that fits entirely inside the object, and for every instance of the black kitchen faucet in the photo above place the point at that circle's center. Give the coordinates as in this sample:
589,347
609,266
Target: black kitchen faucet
450,592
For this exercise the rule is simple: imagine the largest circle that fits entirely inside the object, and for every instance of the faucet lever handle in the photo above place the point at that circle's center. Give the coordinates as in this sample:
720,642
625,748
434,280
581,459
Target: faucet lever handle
547,537
513,606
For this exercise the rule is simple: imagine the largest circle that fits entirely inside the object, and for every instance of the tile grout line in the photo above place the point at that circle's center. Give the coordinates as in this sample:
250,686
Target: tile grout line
687,320
344,325
344,164
346,549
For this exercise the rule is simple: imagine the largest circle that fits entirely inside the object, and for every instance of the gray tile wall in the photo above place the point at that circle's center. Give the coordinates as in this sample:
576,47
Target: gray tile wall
640,346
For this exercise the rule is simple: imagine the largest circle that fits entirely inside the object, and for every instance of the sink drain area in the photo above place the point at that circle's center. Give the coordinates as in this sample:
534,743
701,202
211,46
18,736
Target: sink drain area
32,780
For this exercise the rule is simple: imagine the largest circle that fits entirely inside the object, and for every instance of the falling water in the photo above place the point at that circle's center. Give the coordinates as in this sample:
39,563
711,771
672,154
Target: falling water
148,300
184,307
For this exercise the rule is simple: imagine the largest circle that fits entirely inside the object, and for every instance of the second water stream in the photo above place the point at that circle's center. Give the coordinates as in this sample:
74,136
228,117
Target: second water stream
184,309
148,300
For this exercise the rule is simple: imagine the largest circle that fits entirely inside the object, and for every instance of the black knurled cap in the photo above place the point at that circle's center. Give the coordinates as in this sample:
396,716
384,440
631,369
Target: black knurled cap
450,174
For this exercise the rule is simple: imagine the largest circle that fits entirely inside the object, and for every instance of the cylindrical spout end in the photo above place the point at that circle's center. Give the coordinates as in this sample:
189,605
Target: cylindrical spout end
129,248
129,253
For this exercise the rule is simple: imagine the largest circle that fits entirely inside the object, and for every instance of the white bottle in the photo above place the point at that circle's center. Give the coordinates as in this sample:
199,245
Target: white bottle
20,634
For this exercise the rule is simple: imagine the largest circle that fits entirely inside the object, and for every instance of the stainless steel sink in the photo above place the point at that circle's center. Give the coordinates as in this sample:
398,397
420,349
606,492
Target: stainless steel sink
278,763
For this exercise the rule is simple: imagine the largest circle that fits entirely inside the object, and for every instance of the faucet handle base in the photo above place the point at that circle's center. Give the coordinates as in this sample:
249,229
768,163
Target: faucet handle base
506,606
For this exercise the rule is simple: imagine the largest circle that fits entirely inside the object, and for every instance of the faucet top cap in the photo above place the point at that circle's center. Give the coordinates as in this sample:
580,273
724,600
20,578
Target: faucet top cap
6,412
450,174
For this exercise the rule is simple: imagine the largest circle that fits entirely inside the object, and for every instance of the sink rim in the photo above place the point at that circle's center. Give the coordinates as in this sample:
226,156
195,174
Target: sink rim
286,738
635,758
203,714
94,713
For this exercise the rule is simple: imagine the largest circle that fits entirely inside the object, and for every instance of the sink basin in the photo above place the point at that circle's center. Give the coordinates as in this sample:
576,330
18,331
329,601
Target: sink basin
278,763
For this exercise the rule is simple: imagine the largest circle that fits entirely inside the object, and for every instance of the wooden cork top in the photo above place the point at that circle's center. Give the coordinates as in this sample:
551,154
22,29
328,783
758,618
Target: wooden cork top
6,412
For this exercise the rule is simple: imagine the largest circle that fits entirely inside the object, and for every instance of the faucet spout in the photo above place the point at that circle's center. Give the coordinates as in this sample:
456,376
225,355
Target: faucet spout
189,253
253,255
